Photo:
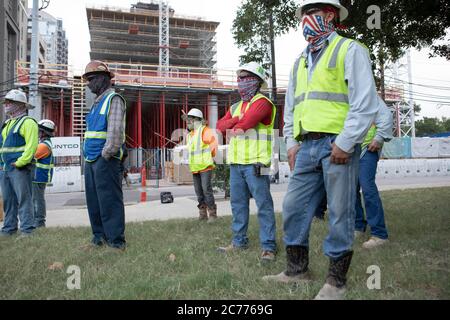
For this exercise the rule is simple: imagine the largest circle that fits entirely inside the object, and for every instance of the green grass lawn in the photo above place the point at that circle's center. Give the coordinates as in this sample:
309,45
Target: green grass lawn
415,265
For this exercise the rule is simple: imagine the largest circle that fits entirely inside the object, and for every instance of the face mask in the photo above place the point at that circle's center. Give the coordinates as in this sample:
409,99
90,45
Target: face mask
13,110
248,87
99,84
316,30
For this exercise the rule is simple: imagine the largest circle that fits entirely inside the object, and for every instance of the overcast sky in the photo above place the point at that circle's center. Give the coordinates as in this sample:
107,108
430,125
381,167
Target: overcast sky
429,72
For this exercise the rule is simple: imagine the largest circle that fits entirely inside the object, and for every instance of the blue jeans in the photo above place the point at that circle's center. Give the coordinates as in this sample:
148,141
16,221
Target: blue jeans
104,199
17,200
40,211
314,175
372,202
244,184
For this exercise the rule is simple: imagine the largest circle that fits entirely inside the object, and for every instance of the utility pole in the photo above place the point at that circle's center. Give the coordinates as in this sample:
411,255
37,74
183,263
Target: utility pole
34,95
411,101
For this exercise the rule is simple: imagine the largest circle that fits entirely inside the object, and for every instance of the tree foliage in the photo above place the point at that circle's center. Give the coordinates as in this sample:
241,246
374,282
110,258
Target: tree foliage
404,24
251,26
431,126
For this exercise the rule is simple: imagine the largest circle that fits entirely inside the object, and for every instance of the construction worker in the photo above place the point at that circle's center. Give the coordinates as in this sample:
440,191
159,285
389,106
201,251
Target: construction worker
18,143
202,148
330,106
103,152
380,132
43,173
249,125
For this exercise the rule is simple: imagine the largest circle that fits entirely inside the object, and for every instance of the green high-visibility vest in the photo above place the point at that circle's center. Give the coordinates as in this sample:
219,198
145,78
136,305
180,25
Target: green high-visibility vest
255,146
200,157
322,103
370,136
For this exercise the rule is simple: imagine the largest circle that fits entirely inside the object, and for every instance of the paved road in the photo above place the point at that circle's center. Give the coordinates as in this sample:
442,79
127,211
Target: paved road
132,194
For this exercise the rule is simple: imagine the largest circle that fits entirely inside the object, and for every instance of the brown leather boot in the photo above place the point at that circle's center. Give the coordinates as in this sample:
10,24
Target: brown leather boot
212,214
297,266
334,288
202,212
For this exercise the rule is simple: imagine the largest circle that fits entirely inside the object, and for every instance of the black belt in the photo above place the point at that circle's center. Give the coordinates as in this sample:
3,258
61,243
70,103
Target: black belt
316,135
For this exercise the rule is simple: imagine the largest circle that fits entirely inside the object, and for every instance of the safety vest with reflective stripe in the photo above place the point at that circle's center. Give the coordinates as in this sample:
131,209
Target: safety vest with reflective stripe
44,167
13,146
255,146
322,103
200,157
97,129
370,136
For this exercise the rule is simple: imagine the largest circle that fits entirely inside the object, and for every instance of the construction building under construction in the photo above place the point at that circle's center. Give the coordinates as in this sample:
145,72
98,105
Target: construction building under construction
164,66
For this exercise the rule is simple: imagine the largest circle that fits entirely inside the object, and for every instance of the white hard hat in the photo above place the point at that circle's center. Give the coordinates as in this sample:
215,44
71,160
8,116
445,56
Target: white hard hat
194,113
47,125
18,96
256,69
343,12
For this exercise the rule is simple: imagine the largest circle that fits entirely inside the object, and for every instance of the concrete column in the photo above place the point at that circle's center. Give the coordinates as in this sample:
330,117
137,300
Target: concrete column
213,111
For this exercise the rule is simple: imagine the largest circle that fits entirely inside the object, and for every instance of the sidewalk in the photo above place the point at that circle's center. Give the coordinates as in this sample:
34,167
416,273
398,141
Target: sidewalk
186,207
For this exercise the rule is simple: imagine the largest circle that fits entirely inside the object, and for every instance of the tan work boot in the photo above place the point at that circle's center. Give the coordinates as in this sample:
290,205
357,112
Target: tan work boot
374,242
267,256
329,292
334,288
212,214
231,248
297,266
203,213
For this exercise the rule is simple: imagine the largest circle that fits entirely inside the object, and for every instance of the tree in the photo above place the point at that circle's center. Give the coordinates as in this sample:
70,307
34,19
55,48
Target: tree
251,26
431,126
404,24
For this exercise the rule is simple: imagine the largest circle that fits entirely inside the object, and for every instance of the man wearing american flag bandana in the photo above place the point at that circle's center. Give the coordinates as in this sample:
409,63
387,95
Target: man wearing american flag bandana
331,103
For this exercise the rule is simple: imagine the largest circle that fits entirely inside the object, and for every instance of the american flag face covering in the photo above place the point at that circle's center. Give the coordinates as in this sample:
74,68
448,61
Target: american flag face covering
316,30
248,87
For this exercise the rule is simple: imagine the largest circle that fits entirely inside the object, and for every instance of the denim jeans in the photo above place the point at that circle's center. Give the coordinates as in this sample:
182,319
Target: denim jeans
313,175
372,202
244,184
40,211
203,189
104,199
17,200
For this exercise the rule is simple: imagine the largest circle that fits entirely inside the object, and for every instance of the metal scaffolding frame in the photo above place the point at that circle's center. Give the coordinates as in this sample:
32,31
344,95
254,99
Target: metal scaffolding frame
164,36
133,36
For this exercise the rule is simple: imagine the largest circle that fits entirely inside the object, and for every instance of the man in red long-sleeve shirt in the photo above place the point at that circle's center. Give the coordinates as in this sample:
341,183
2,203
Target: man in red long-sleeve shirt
249,124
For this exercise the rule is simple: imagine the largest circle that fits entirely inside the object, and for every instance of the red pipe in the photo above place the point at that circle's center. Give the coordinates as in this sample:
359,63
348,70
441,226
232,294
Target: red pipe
139,120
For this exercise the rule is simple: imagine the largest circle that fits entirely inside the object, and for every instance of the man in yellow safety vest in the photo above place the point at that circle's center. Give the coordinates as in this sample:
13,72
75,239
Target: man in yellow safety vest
249,123
330,106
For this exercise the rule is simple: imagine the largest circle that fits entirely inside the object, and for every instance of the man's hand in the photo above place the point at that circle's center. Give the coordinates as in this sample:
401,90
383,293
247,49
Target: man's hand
292,156
374,146
338,156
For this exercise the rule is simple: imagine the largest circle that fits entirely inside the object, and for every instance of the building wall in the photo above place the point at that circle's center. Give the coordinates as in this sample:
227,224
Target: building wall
53,35
13,41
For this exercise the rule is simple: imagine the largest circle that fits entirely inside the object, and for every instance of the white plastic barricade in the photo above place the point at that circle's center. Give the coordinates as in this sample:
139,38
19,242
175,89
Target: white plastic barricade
285,172
425,148
444,148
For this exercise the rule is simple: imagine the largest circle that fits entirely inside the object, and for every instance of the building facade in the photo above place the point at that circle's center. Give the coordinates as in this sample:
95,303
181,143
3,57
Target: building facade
53,36
13,36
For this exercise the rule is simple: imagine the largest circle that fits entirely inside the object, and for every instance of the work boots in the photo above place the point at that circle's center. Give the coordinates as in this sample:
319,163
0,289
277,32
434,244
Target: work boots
297,266
334,288
202,212
212,214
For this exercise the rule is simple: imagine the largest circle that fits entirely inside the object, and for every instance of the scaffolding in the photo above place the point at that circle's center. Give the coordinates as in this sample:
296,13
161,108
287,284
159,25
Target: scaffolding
136,36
